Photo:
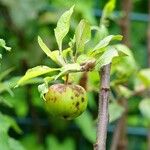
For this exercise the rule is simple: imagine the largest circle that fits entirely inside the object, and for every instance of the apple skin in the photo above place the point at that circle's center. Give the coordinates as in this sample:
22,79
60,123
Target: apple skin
66,101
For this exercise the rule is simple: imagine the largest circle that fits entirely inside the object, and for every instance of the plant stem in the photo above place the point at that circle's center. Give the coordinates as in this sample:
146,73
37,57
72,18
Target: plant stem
67,78
125,21
83,80
103,108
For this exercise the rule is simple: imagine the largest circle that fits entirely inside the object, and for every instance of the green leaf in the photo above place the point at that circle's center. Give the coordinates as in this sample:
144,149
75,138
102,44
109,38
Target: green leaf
123,50
3,44
43,46
8,143
124,91
4,86
53,143
6,122
87,126
43,88
69,68
120,64
30,142
19,98
72,42
34,72
14,144
51,54
106,58
56,56
144,107
5,102
83,58
63,26
82,35
101,32
115,111
4,141
5,73
68,55
107,11
49,79
144,76
105,42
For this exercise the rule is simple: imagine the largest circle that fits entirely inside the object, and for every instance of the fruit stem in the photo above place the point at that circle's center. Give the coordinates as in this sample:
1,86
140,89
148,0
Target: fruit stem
67,78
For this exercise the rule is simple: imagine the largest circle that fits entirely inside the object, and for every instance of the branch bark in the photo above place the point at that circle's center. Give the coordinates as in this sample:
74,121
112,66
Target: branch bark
125,21
103,115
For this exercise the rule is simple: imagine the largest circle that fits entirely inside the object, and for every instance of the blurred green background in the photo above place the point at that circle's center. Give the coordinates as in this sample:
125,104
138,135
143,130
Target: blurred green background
21,21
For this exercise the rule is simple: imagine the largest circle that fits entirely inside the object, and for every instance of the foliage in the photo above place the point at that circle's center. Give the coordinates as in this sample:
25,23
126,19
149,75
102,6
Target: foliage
128,75
7,122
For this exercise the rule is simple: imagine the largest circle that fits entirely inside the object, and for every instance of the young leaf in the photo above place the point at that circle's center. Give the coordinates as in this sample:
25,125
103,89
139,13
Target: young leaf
43,46
43,88
83,58
101,32
34,72
49,79
106,58
3,44
68,55
51,54
69,68
123,50
105,42
63,26
108,9
82,35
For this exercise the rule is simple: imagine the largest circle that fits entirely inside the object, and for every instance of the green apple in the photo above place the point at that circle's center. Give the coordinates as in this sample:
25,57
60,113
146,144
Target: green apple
67,101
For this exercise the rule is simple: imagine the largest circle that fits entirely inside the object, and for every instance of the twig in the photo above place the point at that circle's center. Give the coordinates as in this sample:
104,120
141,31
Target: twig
103,116
83,80
67,78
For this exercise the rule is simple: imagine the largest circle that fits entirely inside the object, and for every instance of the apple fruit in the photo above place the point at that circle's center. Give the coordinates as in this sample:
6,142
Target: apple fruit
67,101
